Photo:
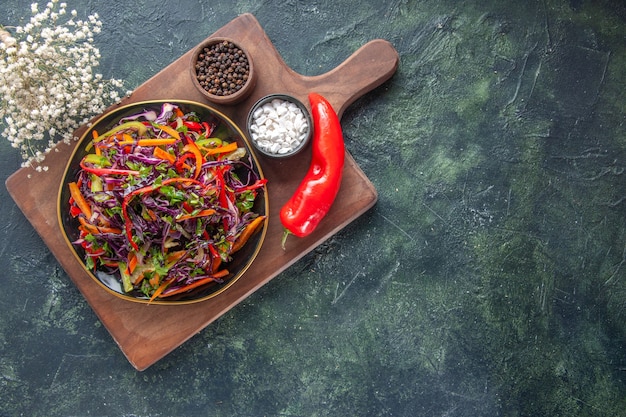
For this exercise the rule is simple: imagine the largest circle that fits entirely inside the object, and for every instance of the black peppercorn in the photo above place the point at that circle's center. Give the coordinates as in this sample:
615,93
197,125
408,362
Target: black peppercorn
222,68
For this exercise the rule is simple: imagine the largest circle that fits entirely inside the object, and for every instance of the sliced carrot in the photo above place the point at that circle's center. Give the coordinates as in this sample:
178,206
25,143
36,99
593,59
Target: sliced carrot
174,257
154,280
169,130
196,284
125,138
132,262
80,200
163,154
151,214
97,230
191,147
129,140
217,262
161,288
139,275
202,213
250,230
157,142
221,149
216,259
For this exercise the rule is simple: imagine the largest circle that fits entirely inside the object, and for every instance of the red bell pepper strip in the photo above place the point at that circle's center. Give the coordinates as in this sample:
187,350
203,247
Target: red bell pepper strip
106,171
216,259
193,126
181,162
226,196
74,210
256,185
187,207
318,189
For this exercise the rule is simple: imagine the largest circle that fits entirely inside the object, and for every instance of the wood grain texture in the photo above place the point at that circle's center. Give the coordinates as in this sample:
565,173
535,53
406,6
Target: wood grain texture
146,333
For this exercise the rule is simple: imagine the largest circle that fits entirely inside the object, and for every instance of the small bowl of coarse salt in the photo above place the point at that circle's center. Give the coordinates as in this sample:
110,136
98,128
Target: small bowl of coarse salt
279,125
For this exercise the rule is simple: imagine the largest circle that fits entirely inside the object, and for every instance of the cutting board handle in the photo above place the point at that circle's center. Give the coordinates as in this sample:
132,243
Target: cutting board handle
367,68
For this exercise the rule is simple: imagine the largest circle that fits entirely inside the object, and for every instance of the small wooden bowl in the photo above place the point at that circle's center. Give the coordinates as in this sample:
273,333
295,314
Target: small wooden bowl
212,81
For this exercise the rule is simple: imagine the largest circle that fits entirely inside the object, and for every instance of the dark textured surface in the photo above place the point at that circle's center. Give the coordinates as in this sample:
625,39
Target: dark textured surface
488,280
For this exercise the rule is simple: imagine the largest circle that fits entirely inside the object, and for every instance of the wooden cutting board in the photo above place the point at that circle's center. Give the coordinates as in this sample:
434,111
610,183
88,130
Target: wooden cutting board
146,333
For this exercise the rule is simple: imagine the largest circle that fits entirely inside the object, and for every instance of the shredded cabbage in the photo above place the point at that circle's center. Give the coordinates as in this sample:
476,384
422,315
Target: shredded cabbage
164,204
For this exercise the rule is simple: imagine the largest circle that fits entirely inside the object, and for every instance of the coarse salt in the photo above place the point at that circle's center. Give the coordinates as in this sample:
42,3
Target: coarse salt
278,126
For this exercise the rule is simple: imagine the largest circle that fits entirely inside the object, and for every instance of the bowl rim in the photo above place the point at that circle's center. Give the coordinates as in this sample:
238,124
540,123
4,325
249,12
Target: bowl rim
297,102
79,148
230,98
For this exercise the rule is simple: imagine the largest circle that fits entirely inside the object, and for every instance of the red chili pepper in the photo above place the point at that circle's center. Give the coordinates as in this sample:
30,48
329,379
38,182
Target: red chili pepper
317,191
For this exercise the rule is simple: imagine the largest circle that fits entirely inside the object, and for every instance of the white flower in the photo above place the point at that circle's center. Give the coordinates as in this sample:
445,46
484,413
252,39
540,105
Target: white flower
47,83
